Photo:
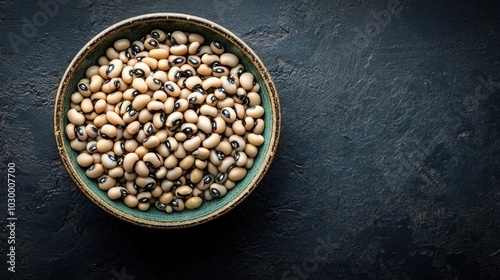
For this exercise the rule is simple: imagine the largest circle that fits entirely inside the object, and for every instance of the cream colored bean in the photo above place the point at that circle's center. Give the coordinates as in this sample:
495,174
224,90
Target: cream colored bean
159,53
114,118
75,117
193,202
229,59
255,111
255,139
115,193
237,173
251,150
91,71
141,169
84,160
131,201
94,171
153,160
174,173
240,159
151,142
212,141
218,190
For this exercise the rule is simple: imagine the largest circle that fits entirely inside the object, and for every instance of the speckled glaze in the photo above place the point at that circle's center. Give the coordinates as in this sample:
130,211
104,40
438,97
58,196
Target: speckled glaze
134,28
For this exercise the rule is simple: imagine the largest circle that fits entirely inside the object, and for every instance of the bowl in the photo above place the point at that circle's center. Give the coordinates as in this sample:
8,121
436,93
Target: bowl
133,29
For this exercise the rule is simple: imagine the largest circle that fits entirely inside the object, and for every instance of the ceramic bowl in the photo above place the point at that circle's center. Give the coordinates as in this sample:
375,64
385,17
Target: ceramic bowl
133,29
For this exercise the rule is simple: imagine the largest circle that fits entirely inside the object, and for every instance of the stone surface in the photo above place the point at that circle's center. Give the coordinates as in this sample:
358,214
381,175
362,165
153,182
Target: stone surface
387,168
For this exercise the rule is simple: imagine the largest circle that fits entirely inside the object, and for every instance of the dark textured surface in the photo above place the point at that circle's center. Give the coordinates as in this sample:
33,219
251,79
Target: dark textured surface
387,168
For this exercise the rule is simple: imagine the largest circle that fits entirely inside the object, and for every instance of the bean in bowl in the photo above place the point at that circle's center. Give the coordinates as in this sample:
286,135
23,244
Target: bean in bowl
170,120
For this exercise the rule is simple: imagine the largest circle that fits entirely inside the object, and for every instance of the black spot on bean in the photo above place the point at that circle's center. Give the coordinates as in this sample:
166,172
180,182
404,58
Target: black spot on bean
110,69
83,87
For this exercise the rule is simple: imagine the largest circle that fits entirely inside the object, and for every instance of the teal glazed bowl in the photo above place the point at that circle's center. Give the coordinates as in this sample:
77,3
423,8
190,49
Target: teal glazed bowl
133,29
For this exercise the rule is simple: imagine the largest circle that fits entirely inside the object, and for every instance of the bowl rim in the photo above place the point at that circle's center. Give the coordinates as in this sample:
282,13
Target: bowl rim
240,44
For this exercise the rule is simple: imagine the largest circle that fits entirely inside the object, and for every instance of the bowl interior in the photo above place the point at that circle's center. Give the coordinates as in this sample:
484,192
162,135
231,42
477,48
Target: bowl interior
134,29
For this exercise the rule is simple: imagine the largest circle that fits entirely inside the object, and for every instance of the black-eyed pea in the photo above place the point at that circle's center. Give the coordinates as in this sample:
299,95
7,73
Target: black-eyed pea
196,98
172,89
83,87
97,158
141,101
164,64
212,141
159,35
250,163
86,105
145,182
153,83
162,135
151,62
151,43
151,142
251,150
94,171
141,69
159,119
124,56
229,60
237,143
255,139
210,59
91,147
238,128
131,201
163,150
129,162
224,147
193,82
247,81
177,60
90,116
237,173
102,70
159,53
81,133
229,184
141,169
130,116
180,153
149,128
174,74
85,160
104,145
116,172
168,185
226,102
114,119
174,173
179,37
204,50
240,96
196,175
217,190
228,114
177,204
193,202
193,60
170,161
240,159
204,124
108,131
160,96
100,106
227,164
76,97
221,177
216,157
153,160
258,127
174,119
115,193
130,177
115,68
131,145
204,70
218,125
132,61
144,197
105,182
201,153
111,85
75,117
237,70
171,143
220,71
180,49
145,116
200,163
127,74
160,206
161,173
187,162
183,192
91,71
194,37
144,206
255,111
70,131
256,87
108,160
166,197
119,148
217,47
